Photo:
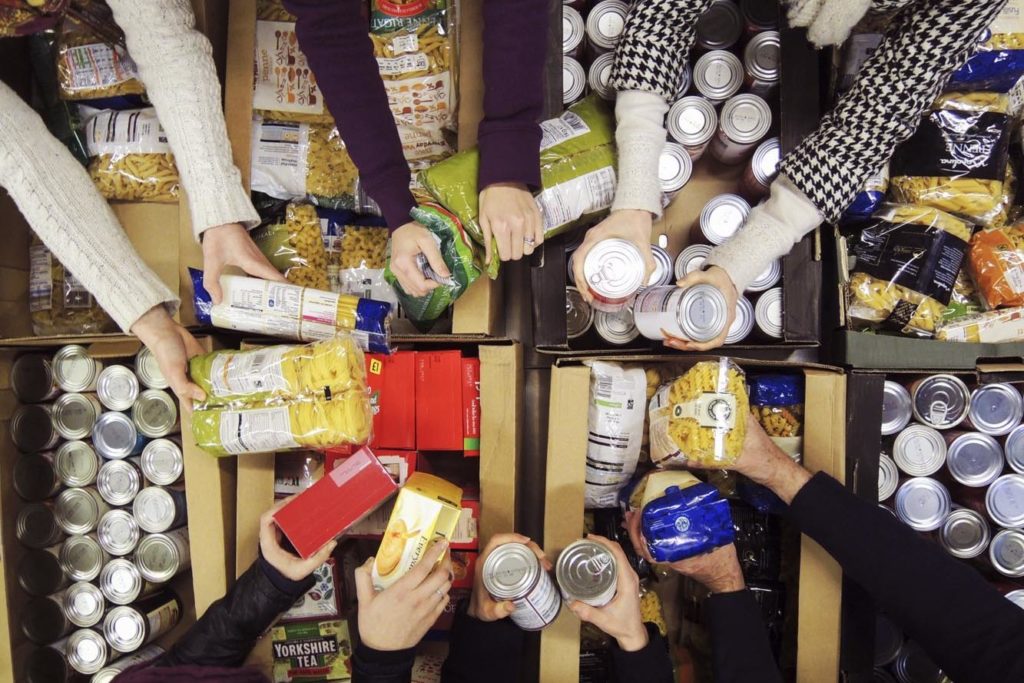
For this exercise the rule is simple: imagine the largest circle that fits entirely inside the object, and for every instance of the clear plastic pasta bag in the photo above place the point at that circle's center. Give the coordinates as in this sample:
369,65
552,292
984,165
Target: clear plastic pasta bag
778,404
91,66
58,303
129,158
996,261
293,243
998,62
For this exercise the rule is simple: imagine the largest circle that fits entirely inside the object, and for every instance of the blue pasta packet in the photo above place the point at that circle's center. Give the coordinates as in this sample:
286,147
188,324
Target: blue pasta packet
776,390
202,303
687,522
990,69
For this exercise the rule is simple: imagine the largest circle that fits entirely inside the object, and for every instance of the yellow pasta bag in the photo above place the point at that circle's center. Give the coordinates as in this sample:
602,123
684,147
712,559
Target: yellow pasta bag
92,61
295,246
129,158
58,302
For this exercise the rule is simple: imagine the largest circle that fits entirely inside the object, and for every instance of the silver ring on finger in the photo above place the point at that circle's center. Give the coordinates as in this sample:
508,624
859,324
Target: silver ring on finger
440,593
529,241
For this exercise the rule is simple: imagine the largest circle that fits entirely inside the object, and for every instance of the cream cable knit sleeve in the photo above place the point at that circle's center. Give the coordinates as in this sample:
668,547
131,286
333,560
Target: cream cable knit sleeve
176,66
59,201
640,138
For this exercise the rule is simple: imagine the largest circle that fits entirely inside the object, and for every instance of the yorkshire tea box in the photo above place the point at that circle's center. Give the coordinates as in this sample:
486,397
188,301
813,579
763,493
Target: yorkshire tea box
312,651
427,508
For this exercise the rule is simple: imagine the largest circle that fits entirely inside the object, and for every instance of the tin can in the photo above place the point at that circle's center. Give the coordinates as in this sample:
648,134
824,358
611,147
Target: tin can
768,278
36,526
43,620
996,409
614,269
888,477
674,168
39,571
115,436
76,464
922,504
720,26
1016,597
119,481
75,414
896,409
663,268
117,387
599,76
84,604
513,572
48,664
129,628
34,477
82,558
940,401
579,316
692,122
974,459
616,328
888,641
718,75
573,31
155,414
162,462
742,124
587,572
685,81
1006,553
118,533
161,557
1014,450
691,259
913,665
919,451
122,584
743,323
78,510
697,313
720,219
761,170
605,24
761,60
108,673
148,370
574,80
75,370
32,428
964,534
768,313
1005,501
158,509
759,15
87,651
32,379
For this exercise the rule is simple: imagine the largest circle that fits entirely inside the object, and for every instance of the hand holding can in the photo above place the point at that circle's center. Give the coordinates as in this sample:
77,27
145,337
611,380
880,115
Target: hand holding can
513,581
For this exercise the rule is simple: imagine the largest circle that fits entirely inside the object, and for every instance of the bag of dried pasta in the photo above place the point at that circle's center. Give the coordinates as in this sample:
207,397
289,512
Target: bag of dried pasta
998,62
908,260
966,300
129,158
92,62
996,262
957,160
699,419
58,303
294,245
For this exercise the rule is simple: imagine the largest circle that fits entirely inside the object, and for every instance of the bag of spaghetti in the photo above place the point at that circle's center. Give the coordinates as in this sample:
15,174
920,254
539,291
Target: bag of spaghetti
996,262
998,62
92,61
129,158
292,242
957,160
699,419
57,301
908,260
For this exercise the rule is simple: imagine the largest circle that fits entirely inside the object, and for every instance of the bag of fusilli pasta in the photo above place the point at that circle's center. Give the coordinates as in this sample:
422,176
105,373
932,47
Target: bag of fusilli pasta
293,244
129,158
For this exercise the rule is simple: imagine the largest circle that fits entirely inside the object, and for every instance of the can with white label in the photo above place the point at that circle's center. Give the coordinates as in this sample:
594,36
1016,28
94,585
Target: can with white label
720,219
75,414
695,314
674,168
129,628
605,24
743,323
32,379
36,525
616,328
574,80
1006,552
82,558
119,481
161,557
922,504
587,572
84,604
940,401
118,533
1005,501
692,122
761,170
78,510
87,651
115,436
718,75
768,313
162,462
920,451
75,370
117,387
579,316
158,509
39,571
148,370
888,477
573,31
974,459
768,278
113,669
32,428
614,271
34,477
964,534
896,409
720,26
996,409
43,620
122,584
512,572
691,259
761,60
155,414
742,124
600,74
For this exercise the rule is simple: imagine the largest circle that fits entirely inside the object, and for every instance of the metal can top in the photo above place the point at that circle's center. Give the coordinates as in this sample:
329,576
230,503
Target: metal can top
1014,448
82,558
996,409
32,378
117,387
674,167
158,558
587,571
914,666
663,269
964,534
1016,597
155,509
76,463
78,510
765,162
36,526
75,414
975,459
720,26
32,427
922,504
919,450
606,22
118,532
86,651
579,316
702,313
148,370
34,477
760,15
743,323
119,481
163,463
1005,501
511,571
691,259
74,369
888,641
745,119
120,581
616,327
768,313
125,629
572,29
692,121
888,477
1007,552
762,56
718,75
614,269
767,279
600,74
574,80
722,217
155,413
941,401
84,604
115,435
896,409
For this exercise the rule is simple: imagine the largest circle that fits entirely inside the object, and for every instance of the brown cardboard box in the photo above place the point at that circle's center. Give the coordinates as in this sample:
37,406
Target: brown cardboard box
820,575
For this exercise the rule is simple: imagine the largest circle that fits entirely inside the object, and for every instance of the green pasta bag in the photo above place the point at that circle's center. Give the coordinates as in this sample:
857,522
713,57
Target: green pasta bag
458,253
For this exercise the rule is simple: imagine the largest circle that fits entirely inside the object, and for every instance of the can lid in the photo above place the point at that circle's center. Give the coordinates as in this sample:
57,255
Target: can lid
87,652
579,316
616,327
572,29
888,641
692,121
996,408
77,511
718,75
975,459
941,401
76,463
74,369
1007,552
115,435
32,378
162,461
1014,448
84,598
663,269
919,451
674,167
32,427
922,504
746,118
691,259
154,509
600,74
155,413
964,534
586,570
118,532
722,217
81,557
768,313
719,27
510,571
888,477
574,80
896,411
124,629
74,415
1005,501
118,482
614,268
743,323
606,22
34,476
762,56
765,162
36,525
117,387
148,370
120,581
768,278
157,558
702,313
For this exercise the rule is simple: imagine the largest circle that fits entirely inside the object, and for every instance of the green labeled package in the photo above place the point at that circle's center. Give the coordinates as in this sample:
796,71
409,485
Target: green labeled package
312,651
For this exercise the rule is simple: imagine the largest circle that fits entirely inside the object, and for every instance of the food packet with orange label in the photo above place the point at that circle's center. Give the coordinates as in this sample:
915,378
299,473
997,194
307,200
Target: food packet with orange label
996,262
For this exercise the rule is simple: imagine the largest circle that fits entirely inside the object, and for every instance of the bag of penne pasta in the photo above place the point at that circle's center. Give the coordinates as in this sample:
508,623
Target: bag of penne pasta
998,61
59,304
129,158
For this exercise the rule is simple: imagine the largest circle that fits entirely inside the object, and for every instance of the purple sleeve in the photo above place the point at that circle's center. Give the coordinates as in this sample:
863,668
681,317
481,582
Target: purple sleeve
334,36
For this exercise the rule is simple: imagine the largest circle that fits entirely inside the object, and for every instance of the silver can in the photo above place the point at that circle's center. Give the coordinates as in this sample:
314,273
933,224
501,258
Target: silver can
75,414
759,15
129,628
1014,450
39,571
896,409
616,328
116,436
742,124
761,170
761,60
1005,501
36,526
685,81
119,481
600,74
587,572
82,557
614,272
573,30
743,323
1016,597
1006,552
996,409
148,370
692,122
768,313
964,534
108,673
697,313
721,218
768,278
78,510
512,572
674,168
922,504
919,451
155,414
605,24
34,477
940,401
720,26
975,459
32,379
117,387
161,557
663,270
118,533
84,604
718,75
913,665
158,509
888,477
43,620
87,651
691,259
162,462
48,664
888,641
75,370
574,80
76,464
32,428
122,584
579,316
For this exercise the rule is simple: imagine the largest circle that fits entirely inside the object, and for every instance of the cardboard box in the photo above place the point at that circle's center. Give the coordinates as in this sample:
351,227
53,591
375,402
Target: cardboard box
439,404
392,382
471,407
466,535
321,600
312,651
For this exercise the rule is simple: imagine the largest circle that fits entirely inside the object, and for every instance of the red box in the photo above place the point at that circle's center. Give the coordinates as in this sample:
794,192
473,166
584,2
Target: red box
467,535
392,382
471,407
439,408
400,465
443,626
464,568
345,495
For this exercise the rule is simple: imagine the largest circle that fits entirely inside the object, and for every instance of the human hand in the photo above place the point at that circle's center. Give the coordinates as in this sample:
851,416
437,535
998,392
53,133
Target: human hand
231,245
765,463
406,243
719,571
172,345
720,279
399,616
621,617
627,224
509,214
291,566
481,605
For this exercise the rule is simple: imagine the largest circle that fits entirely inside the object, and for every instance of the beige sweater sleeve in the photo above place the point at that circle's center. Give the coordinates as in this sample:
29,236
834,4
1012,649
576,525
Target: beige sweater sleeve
177,68
640,138
57,198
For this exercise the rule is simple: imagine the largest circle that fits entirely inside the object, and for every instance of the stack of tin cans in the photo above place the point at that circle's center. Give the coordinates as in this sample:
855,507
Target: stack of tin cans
102,515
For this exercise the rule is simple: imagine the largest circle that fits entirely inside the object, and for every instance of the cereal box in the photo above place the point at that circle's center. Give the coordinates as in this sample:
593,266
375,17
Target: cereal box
312,651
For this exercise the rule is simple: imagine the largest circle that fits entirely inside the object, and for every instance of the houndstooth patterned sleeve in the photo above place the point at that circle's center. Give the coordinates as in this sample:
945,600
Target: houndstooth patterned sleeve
656,42
922,47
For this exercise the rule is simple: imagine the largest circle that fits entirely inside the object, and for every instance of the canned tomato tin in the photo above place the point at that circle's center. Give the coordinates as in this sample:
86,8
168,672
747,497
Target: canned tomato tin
1014,450
616,328
692,122
896,410
162,462
32,379
161,557
76,464
117,387
129,628
1005,501
674,168
32,428
43,620
888,477
614,270
768,313
697,313
913,665
87,651
148,370
75,414
996,409
512,572
919,451
974,459
761,170
78,510
663,269
115,436
940,401
84,604
922,504
605,24
964,534
574,80
888,641
82,558
39,571
119,481
743,323
768,278
118,533
599,76
743,123
761,60
579,316
1006,553
34,477
108,673
720,26
36,526
122,584
720,219
75,370
691,259
587,572
718,75
155,414
572,31
759,15
158,509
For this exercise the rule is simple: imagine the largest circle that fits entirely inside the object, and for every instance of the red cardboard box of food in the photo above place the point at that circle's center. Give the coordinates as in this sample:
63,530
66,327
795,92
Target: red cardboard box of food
345,495
392,382
466,536
439,404
471,407
400,464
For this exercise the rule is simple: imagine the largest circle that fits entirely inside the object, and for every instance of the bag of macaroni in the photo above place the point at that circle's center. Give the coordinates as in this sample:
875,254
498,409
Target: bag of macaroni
686,522
312,651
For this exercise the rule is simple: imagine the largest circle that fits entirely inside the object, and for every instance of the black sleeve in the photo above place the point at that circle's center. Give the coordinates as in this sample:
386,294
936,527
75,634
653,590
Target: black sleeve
649,665
488,649
971,631
740,651
376,666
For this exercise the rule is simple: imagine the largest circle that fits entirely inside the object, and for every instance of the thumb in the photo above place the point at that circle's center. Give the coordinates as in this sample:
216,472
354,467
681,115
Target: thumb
433,254
364,583
211,282
504,609
485,225
584,611
320,556
260,267
691,279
